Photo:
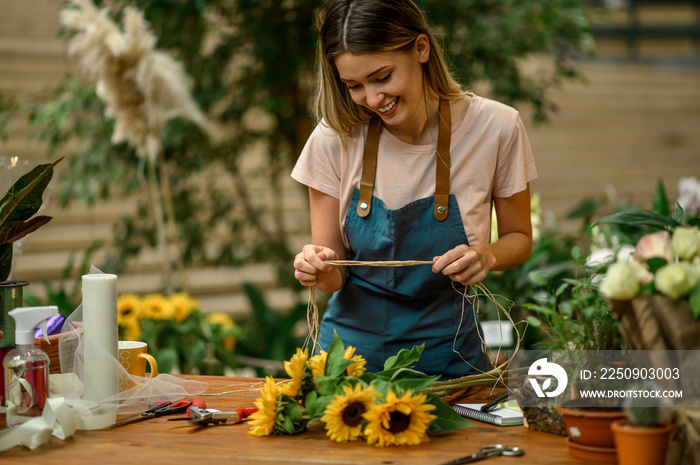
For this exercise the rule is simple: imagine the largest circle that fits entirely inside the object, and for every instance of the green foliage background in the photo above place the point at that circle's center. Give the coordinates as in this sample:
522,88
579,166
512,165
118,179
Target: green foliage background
251,64
252,61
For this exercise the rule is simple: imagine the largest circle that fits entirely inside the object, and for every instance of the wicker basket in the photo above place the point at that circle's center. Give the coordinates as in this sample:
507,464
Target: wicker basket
53,352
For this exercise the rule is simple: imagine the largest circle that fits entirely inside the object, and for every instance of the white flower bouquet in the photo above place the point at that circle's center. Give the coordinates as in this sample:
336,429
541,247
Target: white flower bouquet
654,288
664,262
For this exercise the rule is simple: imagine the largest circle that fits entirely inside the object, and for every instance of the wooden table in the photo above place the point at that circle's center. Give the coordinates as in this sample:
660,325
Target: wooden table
157,441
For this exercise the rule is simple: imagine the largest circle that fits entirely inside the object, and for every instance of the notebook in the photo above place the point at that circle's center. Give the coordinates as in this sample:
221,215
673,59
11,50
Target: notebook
503,415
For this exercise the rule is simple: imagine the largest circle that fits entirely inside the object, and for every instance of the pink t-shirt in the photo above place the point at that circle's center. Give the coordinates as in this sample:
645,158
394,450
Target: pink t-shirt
490,156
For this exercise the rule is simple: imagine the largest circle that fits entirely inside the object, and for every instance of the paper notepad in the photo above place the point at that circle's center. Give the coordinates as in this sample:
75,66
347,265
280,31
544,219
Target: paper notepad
501,416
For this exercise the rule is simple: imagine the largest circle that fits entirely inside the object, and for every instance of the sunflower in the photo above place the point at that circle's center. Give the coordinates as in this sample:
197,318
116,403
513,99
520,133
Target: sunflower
131,330
318,364
128,308
263,421
295,370
182,305
399,420
343,415
156,307
225,323
358,368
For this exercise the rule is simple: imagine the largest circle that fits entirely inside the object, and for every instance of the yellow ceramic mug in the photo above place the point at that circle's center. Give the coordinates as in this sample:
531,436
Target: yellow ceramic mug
133,357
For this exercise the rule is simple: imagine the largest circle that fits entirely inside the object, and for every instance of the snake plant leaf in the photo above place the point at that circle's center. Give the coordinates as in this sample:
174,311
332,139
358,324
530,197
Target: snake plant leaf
640,217
24,197
18,229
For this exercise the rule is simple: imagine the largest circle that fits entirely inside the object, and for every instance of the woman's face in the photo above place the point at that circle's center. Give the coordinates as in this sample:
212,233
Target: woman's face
389,84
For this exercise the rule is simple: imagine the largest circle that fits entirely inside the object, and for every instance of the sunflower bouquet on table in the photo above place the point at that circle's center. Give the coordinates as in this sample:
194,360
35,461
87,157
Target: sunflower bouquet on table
385,408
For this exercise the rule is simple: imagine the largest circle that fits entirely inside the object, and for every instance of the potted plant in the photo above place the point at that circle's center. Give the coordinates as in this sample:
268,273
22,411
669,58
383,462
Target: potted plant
17,209
642,437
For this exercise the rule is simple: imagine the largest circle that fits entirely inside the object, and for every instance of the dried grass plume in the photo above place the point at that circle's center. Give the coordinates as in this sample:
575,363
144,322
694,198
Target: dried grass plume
142,87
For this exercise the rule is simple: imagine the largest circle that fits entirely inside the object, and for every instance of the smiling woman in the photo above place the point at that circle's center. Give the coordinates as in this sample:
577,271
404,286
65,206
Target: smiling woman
404,165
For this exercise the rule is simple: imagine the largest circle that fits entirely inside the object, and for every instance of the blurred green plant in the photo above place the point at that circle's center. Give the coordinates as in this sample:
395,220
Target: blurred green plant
251,65
66,294
575,316
178,333
270,335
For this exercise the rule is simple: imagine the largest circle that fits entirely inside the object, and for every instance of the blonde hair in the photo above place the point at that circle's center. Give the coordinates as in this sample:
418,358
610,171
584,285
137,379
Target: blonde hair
366,26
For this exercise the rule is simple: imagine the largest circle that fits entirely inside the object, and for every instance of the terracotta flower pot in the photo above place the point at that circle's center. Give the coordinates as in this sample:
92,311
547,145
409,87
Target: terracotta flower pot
641,445
590,427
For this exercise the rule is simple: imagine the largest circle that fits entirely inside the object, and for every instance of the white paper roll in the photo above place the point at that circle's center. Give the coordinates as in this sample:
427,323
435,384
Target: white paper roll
100,337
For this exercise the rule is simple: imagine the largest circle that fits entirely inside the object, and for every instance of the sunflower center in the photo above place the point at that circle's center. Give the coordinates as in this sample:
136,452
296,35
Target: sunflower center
398,422
352,414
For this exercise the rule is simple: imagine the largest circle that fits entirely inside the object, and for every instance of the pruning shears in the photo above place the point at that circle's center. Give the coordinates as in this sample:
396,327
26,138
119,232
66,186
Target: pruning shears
203,416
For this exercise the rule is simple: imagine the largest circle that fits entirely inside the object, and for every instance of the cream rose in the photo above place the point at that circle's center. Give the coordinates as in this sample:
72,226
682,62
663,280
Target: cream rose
686,242
674,280
620,282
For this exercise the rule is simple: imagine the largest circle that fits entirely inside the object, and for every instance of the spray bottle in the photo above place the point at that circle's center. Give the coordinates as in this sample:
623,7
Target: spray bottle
27,367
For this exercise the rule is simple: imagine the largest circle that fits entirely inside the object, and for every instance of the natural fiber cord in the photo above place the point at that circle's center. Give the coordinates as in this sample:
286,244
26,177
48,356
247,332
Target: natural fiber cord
494,377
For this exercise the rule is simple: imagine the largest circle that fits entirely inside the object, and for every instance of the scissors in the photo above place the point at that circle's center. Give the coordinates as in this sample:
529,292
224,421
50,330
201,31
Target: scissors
486,452
159,410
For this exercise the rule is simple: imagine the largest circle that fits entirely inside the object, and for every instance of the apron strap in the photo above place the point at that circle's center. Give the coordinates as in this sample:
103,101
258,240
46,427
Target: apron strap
369,167
442,175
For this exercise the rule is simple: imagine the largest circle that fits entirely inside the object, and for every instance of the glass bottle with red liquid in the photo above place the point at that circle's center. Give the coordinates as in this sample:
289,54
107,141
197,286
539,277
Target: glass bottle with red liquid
26,367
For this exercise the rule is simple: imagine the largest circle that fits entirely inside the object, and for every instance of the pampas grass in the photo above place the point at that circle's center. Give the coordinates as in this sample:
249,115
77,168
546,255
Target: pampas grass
142,89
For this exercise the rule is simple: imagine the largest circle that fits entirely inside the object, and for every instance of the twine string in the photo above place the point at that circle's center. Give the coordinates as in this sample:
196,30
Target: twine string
477,290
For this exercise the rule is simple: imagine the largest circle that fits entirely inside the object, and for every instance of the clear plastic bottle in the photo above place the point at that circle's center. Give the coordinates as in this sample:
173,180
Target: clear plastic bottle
27,367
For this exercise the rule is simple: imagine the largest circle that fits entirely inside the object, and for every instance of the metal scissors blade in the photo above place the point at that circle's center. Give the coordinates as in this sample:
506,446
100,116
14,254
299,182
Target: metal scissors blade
159,410
486,452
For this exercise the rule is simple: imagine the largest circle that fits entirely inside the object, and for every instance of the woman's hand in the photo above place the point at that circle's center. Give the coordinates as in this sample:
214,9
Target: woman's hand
311,269
470,264
465,265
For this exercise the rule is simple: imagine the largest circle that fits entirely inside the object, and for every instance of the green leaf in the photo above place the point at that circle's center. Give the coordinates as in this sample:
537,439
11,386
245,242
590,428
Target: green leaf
23,198
404,358
661,200
5,261
534,322
413,380
694,300
639,217
447,419
195,353
17,229
167,359
335,361
655,264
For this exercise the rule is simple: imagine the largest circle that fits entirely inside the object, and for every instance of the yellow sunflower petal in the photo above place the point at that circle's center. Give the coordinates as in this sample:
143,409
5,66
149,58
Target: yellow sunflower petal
318,364
295,369
358,368
263,421
343,415
407,428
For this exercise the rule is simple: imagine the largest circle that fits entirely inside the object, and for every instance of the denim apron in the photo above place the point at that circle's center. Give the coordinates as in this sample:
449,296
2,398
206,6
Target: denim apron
381,310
